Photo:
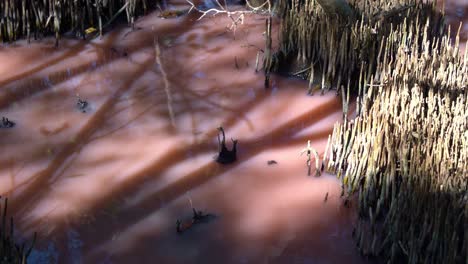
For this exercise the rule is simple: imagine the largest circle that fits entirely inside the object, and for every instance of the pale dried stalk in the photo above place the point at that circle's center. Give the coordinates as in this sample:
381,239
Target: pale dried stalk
167,87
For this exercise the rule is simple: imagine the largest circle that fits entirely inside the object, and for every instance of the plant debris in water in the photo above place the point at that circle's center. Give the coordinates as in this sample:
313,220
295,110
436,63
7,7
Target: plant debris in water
272,162
197,218
6,123
310,150
403,159
225,155
82,105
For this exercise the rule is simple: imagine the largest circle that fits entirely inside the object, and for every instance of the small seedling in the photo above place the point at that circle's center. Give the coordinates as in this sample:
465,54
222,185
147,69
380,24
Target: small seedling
309,150
226,156
6,123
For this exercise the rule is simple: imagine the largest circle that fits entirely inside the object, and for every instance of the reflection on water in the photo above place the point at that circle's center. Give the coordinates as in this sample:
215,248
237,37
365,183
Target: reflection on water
48,254
107,185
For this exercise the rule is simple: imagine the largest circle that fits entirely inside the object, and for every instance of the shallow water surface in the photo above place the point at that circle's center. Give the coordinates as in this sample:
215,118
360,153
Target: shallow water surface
107,184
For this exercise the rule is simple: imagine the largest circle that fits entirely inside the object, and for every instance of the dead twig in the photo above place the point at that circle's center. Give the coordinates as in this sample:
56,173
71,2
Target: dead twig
237,17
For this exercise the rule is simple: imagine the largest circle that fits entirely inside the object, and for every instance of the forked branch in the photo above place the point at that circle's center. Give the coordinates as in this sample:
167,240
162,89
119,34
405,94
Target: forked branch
237,17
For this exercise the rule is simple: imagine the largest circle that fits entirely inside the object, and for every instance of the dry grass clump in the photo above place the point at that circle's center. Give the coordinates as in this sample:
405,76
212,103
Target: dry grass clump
20,18
405,156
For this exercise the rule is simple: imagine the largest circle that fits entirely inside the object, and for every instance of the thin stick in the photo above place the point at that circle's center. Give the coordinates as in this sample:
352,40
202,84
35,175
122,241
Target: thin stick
167,87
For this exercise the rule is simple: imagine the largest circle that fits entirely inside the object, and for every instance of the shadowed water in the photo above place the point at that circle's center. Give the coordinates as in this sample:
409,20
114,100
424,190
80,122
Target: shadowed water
107,185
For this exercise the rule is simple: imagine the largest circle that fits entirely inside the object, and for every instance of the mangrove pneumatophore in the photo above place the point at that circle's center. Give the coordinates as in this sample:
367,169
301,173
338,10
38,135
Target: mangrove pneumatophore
309,150
19,18
404,158
81,104
334,50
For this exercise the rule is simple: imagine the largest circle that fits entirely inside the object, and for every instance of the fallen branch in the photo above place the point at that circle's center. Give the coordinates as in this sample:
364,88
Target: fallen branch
237,17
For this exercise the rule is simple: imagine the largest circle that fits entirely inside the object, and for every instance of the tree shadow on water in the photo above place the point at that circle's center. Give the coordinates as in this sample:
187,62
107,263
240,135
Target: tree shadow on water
37,188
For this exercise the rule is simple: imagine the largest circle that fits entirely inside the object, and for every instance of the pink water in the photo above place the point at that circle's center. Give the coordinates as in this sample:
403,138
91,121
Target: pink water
108,185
